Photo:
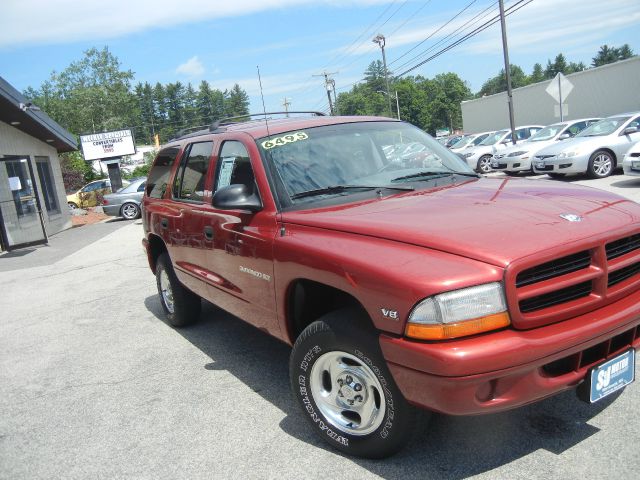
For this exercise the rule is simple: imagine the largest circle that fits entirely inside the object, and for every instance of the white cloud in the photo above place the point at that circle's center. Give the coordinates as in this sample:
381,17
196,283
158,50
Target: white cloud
44,22
191,68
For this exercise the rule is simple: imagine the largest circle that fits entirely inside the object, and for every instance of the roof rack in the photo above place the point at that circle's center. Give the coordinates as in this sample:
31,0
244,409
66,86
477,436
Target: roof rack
215,126
218,125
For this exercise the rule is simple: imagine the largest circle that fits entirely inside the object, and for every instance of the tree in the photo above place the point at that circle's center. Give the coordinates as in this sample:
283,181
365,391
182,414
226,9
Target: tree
90,95
608,54
374,76
236,102
209,103
498,83
559,65
537,74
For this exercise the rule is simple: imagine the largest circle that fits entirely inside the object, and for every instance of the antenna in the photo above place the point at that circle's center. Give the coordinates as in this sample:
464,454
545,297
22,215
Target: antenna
264,109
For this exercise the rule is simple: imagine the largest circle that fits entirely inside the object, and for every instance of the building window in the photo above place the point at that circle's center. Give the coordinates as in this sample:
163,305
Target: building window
47,185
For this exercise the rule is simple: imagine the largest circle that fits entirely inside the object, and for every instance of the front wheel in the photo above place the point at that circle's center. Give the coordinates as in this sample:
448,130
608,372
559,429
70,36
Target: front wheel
484,164
345,389
72,205
181,305
601,164
130,211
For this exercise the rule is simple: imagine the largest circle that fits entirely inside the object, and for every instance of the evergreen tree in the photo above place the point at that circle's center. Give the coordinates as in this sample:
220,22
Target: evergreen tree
537,75
236,102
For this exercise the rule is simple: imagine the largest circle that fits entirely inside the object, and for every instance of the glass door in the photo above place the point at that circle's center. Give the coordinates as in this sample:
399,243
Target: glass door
20,211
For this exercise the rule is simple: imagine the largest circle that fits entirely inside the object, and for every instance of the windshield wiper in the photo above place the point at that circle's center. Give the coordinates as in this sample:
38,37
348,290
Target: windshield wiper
431,174
343,188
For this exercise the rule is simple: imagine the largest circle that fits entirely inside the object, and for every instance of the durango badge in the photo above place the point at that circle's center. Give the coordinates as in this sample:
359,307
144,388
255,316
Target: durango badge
571,217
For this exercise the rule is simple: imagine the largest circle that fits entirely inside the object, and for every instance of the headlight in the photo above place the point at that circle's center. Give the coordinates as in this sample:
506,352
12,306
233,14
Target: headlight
467,155
516,154
459,313
567,154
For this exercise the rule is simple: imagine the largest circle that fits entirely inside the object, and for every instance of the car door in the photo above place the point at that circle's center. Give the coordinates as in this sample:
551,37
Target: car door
240,261
622,143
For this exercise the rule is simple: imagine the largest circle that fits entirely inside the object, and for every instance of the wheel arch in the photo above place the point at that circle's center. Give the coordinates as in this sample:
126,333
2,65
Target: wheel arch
155,249
307,300
609,151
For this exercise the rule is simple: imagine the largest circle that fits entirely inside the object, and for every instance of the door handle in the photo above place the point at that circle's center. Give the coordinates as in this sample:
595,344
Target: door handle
164,223
208,232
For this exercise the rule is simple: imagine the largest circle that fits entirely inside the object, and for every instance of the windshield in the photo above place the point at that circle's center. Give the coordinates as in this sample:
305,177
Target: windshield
548,133
493,138
329,158
462,142
604,127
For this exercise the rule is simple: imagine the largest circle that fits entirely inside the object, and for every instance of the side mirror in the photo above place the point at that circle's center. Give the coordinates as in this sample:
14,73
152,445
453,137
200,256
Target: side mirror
564,136
236,197
629,130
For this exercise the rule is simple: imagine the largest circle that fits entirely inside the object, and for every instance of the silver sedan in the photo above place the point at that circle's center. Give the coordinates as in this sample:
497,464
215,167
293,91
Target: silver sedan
596,150
126,201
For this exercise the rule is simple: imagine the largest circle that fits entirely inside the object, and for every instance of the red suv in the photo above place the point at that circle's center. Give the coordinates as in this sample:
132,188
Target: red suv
401,281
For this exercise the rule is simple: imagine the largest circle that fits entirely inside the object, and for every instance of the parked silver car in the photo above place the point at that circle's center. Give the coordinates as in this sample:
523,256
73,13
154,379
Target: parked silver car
517,158
631,161
597,150
479,157
126,201
471,140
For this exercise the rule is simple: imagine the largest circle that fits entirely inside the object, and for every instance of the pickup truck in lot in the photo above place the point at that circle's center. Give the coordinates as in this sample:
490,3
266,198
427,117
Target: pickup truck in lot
399,282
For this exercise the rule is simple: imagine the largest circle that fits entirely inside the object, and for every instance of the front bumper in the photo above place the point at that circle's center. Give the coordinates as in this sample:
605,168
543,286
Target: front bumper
575,164
510,368
631,166
511,164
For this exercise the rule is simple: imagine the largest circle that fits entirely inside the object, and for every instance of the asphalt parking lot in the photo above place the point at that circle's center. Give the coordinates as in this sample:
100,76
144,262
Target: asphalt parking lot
95,384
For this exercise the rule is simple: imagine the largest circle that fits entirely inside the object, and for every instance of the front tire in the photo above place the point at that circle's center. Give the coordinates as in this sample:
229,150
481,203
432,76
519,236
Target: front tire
72,205
601,164
130,211
180,304
484,164
346,392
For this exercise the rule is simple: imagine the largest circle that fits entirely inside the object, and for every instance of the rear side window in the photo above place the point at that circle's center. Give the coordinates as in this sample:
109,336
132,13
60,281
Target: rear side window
189,182
160,172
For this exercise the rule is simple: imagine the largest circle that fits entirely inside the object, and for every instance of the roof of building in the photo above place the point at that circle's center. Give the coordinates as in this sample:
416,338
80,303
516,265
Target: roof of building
17,111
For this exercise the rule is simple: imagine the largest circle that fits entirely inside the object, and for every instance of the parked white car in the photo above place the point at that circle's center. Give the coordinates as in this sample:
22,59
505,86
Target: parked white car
479,157
631,161
596,150
471,140
517,158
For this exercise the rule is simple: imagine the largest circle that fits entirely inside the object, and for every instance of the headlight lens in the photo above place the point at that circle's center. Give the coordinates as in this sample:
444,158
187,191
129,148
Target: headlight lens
517,154
567,154
459,313
467,155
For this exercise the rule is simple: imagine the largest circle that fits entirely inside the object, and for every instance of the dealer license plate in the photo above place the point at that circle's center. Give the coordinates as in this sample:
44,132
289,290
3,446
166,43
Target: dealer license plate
612,375
495,164
635,166
540,164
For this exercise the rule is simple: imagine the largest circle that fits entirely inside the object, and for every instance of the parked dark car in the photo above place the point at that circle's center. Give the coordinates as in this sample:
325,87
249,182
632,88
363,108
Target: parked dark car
126,201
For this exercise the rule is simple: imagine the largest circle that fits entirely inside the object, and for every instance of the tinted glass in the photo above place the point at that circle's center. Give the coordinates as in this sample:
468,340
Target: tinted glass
234,166
47,185
356,154
189,183
160,172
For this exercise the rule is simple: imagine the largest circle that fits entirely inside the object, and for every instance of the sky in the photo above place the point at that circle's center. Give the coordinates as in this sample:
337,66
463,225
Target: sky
294,41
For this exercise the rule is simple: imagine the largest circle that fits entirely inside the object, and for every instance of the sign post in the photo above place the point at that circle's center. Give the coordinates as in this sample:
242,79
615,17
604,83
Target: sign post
557,87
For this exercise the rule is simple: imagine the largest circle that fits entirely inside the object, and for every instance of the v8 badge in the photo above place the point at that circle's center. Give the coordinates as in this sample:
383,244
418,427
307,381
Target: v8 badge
392,314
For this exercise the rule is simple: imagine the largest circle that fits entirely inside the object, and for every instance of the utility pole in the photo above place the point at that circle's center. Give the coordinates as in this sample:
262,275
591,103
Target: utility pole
380,40
285,103
507,71
398,104
327,84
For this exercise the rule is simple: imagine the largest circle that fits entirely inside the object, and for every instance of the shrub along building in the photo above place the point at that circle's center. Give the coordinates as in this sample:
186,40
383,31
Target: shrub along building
32,195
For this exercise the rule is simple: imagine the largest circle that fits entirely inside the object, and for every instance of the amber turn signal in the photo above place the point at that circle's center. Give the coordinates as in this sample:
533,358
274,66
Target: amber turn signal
444,331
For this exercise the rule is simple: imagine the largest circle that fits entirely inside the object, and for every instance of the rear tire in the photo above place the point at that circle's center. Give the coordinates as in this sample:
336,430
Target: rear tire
601,164
345,390
181,305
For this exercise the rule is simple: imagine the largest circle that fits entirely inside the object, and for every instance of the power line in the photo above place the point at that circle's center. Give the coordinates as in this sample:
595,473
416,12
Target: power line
473,33
409,18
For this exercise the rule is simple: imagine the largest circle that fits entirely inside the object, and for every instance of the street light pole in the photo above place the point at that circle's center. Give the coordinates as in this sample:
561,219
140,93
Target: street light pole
398,105
380,40
507,71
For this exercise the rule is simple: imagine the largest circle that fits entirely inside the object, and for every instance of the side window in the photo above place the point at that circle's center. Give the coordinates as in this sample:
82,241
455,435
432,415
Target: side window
160,172
635,123
234,166
189,182
142,186
576,128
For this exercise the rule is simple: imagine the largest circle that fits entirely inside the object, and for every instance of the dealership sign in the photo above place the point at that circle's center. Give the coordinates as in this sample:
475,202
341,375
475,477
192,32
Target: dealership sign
107,144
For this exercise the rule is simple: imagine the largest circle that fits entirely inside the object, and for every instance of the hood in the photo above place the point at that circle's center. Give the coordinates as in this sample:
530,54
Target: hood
530,147
492,220
574,143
